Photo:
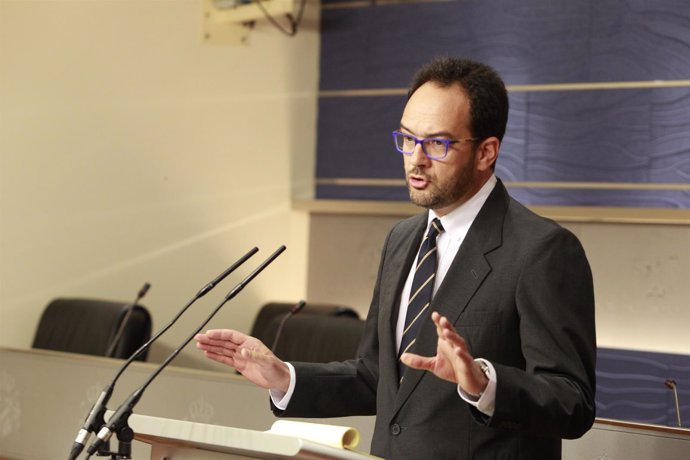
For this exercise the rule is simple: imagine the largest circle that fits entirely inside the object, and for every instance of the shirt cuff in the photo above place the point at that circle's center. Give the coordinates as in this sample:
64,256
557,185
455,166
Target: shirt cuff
282,399
485,403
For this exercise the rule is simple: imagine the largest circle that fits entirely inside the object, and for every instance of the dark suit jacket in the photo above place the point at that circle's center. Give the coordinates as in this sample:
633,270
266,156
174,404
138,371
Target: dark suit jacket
520,292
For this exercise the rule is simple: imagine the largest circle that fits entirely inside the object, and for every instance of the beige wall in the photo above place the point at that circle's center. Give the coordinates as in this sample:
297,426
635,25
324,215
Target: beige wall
131,151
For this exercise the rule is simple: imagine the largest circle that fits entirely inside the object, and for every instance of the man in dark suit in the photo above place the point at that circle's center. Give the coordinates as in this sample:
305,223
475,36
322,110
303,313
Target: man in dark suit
504,367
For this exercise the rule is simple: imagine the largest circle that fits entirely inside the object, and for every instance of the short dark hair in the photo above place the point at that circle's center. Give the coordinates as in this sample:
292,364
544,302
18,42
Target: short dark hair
484,87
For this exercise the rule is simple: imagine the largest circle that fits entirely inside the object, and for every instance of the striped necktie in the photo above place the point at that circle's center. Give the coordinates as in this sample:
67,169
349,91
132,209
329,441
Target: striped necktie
422,289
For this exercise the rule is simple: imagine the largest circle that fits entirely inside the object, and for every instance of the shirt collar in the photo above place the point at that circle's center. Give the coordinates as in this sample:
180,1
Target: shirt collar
462,217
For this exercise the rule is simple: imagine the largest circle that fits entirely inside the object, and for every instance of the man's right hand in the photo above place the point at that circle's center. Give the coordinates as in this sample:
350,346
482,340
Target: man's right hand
248,355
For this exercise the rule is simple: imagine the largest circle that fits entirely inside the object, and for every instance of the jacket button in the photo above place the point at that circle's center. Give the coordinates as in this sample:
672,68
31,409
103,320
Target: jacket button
395,429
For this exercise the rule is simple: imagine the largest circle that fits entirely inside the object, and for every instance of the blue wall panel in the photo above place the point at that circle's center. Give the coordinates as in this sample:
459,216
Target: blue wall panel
638,135
354,138
605,136
631,386
527,41
601,197
362,193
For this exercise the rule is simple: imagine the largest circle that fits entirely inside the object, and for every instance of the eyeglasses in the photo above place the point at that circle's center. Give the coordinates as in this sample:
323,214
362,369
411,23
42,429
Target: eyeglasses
433,147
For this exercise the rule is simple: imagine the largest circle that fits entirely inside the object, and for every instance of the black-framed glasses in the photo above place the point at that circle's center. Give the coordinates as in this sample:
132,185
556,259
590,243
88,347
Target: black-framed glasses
433,147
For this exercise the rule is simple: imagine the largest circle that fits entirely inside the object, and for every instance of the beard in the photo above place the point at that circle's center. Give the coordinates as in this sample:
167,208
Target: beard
439,194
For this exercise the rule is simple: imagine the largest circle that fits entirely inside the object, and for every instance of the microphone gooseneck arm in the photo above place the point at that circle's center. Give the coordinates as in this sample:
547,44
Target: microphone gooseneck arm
130,308
95,419
293,311
202,292
121,415
671,385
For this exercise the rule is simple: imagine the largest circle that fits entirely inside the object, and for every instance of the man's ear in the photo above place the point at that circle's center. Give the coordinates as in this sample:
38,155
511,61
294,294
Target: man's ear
487,153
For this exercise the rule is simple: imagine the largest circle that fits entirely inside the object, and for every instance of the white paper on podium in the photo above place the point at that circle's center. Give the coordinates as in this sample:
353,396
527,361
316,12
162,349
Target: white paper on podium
342,437
185,437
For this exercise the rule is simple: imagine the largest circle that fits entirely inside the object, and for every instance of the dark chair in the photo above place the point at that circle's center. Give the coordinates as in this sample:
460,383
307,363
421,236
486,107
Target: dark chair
90,327
319,333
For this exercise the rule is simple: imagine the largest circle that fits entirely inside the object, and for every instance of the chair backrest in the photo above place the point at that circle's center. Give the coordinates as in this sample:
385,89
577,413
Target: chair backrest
262,329
319,333
319,338
90,326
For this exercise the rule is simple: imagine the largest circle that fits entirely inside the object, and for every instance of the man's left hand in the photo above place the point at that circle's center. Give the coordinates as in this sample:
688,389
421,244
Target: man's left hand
453,361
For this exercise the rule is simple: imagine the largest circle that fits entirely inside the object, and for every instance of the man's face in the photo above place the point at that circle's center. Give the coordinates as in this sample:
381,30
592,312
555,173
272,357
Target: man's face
442,112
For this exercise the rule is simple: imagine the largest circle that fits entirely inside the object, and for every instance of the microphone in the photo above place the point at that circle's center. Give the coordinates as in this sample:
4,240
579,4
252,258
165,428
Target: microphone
118,421
671,385
95,418
130,309
293,311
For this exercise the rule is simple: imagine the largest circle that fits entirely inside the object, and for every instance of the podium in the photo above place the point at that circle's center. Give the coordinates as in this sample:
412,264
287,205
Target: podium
183,440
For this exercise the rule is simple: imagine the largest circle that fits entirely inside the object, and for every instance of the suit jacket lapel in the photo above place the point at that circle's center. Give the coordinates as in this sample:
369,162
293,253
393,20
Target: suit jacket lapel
464,277
403,248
